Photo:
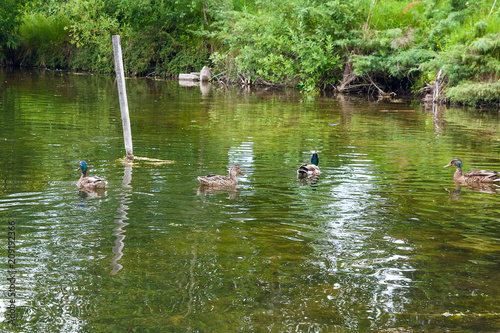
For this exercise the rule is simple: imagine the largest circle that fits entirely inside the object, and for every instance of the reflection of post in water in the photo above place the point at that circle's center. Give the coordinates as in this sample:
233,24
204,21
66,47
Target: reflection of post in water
192,283
120,218
438,118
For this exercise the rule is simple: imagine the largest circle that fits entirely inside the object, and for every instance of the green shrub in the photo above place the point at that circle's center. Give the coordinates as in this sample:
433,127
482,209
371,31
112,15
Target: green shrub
91,29
474,93
44,41
10,19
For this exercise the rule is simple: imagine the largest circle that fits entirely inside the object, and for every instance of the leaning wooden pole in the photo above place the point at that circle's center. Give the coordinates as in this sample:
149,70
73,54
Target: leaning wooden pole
122,95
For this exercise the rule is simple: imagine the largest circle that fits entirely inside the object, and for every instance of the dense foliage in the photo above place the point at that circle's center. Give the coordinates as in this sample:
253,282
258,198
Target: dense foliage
10,18
376,46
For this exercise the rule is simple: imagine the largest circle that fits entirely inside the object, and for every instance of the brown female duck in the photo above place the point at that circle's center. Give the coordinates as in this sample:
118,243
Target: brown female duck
476,176
218,180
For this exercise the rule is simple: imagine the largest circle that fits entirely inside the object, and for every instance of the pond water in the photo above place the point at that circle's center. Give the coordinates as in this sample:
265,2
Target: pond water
383,241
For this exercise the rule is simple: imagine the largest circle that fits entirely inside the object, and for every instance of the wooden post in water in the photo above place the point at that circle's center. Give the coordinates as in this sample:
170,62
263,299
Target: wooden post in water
122,95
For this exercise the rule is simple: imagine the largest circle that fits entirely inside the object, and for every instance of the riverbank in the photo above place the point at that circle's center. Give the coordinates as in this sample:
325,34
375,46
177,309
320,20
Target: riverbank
447,50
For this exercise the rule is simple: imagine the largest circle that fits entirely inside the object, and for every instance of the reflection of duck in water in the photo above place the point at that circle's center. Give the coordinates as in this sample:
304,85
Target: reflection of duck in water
89,182
309,170
313,180
232,192
221,181
475,187
476,176
86,193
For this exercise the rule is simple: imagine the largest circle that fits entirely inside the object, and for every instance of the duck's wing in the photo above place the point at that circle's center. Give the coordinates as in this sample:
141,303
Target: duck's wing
302,171
490,176
212,179
94,181
308,169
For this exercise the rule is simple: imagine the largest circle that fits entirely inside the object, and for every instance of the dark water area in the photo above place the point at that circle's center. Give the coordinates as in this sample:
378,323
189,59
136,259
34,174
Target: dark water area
383,240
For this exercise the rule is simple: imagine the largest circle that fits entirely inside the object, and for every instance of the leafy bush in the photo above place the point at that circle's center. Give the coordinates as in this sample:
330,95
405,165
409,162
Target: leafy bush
287,43
44,41
10,19
474,93
90,29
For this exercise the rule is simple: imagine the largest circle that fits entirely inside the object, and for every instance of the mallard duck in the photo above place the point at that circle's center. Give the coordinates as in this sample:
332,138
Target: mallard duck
476,176
89,182
309,170
218,180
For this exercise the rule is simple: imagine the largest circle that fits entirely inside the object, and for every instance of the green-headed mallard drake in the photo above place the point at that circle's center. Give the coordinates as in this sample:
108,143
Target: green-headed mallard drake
309,170
476,176
89,182
218,180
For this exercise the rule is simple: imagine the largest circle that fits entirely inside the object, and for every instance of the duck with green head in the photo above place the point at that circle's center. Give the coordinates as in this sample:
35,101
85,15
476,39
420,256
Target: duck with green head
309,170
89,182
475,176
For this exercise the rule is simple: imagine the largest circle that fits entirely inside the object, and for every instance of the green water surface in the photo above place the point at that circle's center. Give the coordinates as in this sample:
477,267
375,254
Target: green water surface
383,240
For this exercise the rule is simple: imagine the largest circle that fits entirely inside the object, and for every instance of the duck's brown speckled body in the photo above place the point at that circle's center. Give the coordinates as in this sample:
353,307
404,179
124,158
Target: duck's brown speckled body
218,180
476,176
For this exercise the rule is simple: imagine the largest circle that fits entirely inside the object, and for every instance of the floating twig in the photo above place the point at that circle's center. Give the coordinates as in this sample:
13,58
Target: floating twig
154,161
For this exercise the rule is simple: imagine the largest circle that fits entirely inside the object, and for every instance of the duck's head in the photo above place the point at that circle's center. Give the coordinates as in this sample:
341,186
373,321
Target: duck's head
235,169
315,159
455,162
83,167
